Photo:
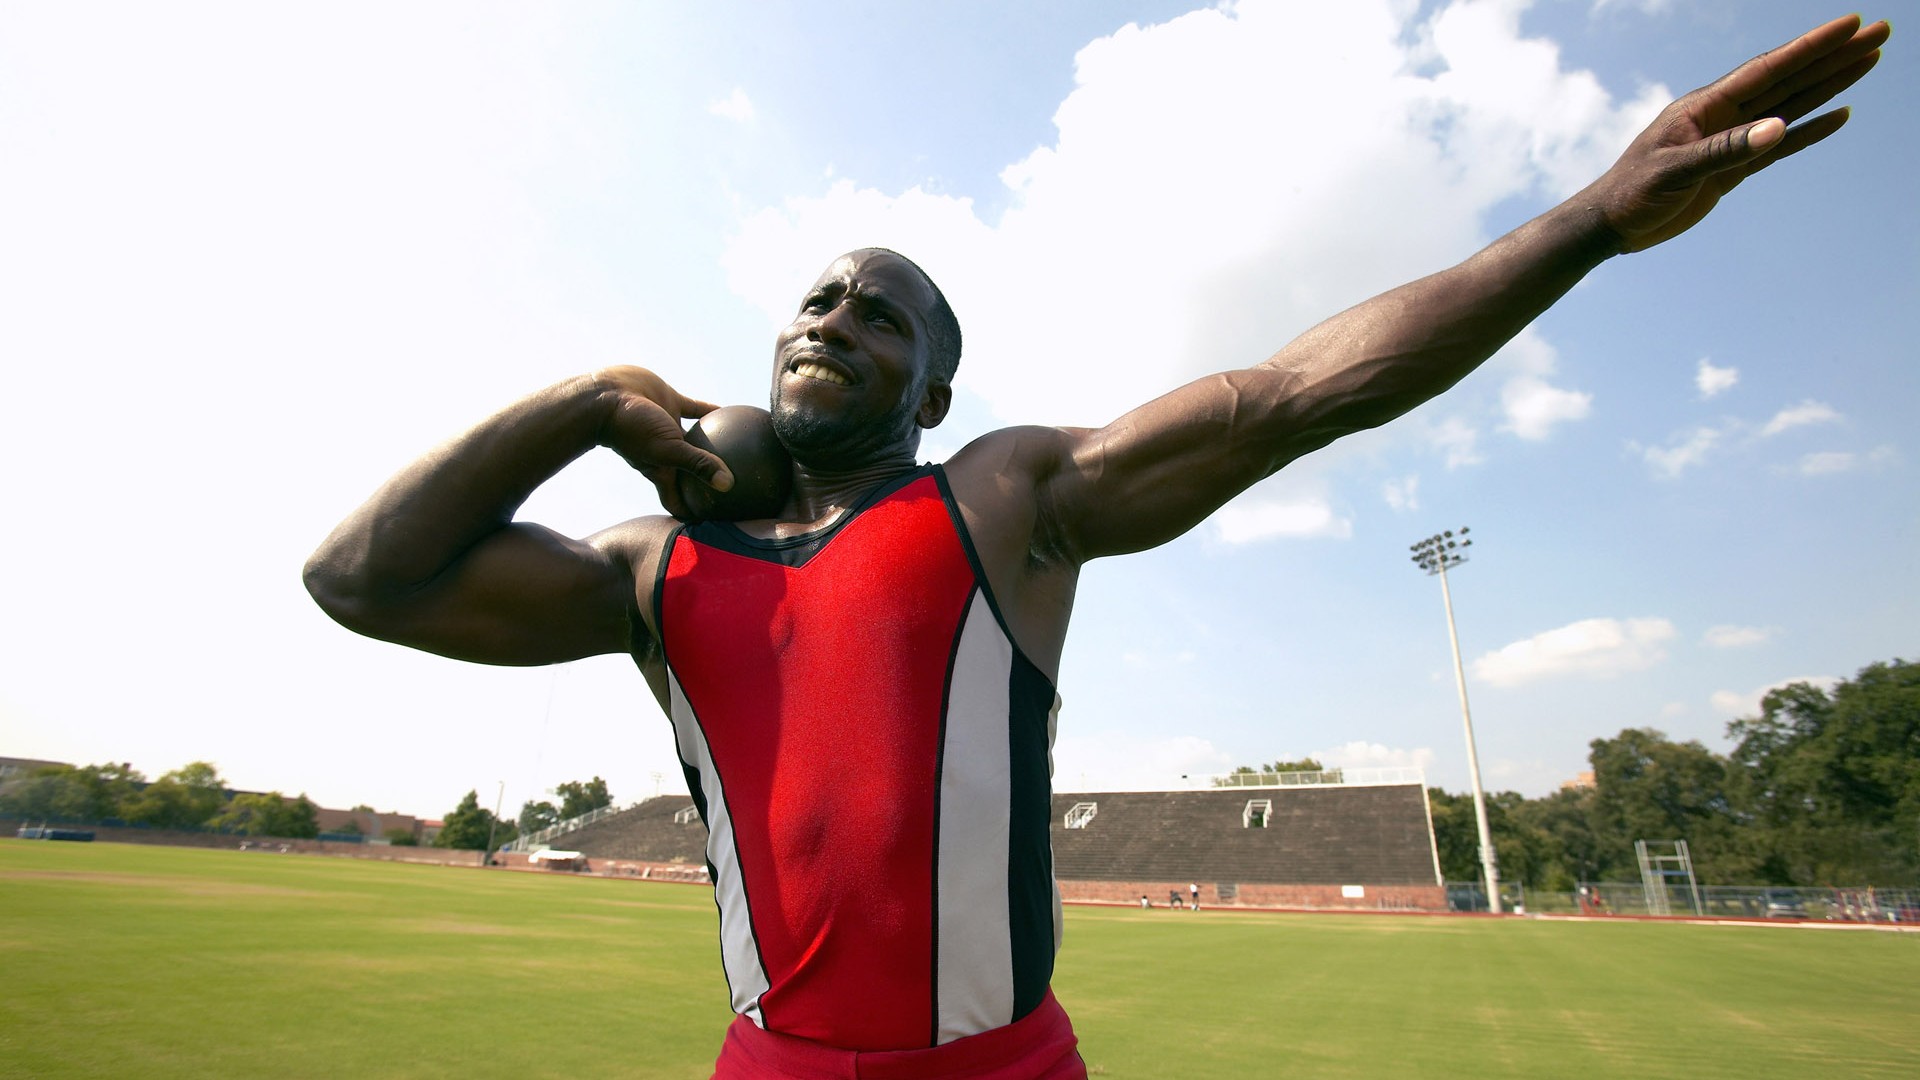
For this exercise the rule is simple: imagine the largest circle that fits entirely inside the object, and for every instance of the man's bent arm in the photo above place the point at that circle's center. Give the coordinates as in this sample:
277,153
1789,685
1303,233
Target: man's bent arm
1162,468
434,560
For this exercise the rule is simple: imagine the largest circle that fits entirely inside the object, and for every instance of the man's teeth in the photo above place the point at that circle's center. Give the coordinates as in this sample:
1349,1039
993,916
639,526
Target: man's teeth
809,370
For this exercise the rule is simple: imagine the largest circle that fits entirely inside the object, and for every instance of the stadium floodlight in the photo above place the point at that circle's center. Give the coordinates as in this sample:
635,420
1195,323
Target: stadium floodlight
1436,555
498,798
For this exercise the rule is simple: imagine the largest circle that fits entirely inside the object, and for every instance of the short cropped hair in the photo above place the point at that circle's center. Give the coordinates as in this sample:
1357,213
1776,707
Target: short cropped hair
943,327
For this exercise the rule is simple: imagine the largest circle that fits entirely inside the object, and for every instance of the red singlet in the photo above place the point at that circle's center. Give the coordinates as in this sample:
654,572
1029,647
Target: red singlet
870,752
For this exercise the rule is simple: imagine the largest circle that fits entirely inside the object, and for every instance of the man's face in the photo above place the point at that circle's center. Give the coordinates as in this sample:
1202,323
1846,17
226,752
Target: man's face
850,382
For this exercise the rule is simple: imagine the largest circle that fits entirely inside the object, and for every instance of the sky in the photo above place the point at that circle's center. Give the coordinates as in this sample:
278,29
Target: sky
255,258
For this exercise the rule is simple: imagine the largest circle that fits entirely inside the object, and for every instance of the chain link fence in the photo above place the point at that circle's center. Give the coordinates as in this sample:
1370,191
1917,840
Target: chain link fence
1864,904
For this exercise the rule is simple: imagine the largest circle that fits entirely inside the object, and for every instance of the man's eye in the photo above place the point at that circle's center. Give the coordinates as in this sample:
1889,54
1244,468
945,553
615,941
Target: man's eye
880,317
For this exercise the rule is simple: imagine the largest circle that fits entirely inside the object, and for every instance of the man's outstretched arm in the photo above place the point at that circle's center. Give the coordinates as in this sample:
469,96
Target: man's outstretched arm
1162,468
434,559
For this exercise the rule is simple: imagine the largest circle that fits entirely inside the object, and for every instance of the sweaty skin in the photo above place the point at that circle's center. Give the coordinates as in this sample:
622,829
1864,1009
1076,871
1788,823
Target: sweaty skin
434,559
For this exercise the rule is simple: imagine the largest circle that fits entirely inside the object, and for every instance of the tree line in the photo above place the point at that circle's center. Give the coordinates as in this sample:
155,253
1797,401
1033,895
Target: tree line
194,797
190,797
1822,788
472,827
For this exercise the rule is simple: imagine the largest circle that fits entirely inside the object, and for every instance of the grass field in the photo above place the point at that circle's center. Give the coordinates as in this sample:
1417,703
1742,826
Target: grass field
128,961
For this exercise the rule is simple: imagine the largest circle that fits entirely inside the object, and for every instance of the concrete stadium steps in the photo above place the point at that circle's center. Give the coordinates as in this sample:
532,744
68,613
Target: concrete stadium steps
645,833
1315,835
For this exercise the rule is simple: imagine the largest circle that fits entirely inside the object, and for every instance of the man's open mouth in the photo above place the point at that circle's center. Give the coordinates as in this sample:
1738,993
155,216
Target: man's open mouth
812,369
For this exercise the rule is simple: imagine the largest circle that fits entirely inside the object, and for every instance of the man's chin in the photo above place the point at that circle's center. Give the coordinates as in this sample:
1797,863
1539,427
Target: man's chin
829,442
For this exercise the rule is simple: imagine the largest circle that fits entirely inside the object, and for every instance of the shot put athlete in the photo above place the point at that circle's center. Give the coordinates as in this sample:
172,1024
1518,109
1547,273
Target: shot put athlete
860,671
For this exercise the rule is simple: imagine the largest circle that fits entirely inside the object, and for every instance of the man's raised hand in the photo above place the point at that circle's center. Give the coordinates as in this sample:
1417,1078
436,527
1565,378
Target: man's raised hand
643,427
1703,145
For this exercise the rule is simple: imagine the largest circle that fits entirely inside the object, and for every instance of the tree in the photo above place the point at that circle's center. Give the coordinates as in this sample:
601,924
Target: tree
92,793
468,827
577,798
1567,852
271,814
1455,835
535,816
1831,780
400,837
1648,787
1272,768
186,798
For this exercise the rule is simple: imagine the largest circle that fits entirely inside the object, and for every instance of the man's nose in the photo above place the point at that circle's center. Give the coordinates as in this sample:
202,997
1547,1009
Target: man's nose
834,326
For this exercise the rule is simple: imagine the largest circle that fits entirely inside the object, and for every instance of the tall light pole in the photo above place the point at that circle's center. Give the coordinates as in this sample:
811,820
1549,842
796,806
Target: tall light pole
1434,555
498,797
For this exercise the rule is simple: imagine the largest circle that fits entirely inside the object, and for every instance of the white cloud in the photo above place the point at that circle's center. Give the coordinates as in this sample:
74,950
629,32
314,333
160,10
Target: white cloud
1685,453
1645,7
1252,518
1457,442
1673,709
735,106
1234,239
1360,754
1738,637
1827,462
1530,405
1596,648
1533,407
1734,704
1402,494
1807,412
1713,381
1117,761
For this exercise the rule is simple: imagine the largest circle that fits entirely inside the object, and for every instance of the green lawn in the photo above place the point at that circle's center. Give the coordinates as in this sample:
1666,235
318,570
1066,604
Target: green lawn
120,960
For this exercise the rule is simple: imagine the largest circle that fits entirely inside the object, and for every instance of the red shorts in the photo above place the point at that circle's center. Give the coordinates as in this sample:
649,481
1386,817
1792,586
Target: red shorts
1038,1046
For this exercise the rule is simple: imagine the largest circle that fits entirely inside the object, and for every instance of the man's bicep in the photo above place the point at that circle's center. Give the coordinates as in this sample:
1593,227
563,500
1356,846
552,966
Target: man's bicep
524,595
1161,469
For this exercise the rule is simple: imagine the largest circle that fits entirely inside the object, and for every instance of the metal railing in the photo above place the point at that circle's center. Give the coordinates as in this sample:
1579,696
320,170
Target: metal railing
534,841
1380,776
1861,904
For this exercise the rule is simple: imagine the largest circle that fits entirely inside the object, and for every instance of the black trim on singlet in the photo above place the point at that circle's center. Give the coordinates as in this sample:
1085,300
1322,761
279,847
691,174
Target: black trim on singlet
973,558
713,872
659,607
1030,698
692,775
794,551
1030,888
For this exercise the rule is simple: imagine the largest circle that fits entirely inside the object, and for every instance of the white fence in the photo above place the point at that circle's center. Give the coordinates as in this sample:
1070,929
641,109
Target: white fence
537,840
1363,777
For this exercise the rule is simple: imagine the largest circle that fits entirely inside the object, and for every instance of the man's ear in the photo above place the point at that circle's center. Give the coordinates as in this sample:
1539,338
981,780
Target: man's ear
934,406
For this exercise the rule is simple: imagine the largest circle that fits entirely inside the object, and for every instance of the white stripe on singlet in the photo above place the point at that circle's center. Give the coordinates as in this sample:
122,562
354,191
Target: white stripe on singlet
739,954
974,970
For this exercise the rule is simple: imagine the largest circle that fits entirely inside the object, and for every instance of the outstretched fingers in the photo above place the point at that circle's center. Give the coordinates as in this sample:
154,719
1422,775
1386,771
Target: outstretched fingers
1794,98
1781,65
1802,136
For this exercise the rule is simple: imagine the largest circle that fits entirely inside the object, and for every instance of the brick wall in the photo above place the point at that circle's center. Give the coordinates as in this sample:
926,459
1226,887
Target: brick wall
117,834
1306,897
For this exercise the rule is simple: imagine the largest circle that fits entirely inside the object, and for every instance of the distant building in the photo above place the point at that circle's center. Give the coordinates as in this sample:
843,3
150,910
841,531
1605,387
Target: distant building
1582,781
375,825
19,768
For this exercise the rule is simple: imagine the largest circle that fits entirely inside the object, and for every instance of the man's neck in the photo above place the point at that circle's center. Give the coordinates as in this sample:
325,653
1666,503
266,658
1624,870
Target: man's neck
820,495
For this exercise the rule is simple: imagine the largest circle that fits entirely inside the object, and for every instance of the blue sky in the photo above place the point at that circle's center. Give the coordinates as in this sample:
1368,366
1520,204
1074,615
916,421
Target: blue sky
253,259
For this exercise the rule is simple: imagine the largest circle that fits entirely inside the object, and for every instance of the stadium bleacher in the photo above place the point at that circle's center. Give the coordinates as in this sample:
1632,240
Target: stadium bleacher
1333,846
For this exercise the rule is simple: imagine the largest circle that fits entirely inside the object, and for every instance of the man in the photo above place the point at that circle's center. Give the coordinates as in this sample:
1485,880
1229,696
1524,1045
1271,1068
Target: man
862,684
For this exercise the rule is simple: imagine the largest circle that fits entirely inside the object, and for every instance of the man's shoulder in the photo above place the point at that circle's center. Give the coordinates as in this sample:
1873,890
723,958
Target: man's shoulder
636,542
1033,451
